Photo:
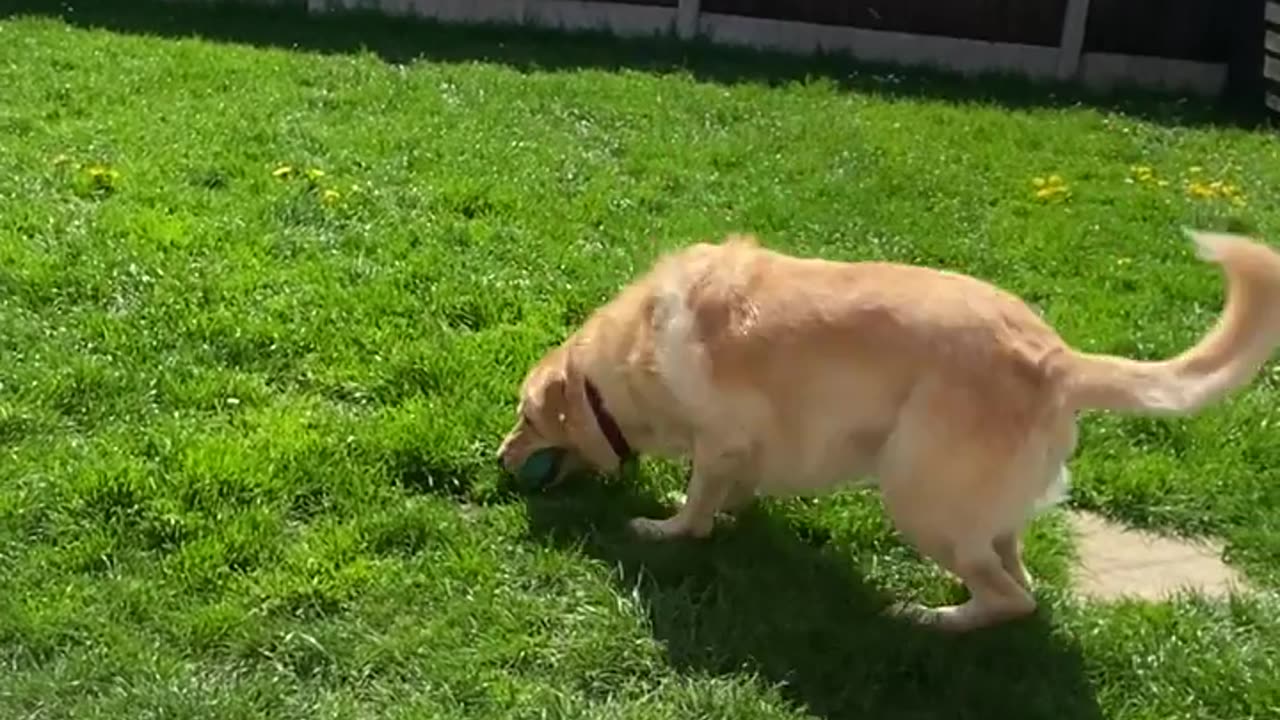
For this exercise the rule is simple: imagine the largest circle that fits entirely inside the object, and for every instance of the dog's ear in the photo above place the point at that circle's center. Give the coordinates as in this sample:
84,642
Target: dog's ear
555,397
557,394
546,386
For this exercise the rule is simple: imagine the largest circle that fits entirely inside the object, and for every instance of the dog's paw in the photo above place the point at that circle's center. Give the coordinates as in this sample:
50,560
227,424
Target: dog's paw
910,612
671,528
962,618
940,617
651,529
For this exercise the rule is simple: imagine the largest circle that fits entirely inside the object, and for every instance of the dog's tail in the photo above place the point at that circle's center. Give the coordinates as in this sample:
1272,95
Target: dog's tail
1225,359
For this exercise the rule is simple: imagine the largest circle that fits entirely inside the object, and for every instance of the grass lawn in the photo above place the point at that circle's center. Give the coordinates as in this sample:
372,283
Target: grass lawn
248,412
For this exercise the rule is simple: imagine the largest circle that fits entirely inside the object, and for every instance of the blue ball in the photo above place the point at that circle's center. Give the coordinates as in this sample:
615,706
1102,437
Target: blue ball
540,467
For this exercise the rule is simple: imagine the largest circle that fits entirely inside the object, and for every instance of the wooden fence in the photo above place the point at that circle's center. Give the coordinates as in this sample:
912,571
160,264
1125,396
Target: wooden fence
1173,45
1271,57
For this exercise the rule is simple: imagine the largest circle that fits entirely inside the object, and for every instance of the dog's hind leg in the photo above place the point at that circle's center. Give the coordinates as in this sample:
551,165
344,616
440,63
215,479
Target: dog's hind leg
960,479
995,595
741,494
1009,548
950,518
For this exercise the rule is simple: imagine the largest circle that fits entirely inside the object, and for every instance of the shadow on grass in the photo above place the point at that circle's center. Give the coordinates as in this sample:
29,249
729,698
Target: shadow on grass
398,40
759,598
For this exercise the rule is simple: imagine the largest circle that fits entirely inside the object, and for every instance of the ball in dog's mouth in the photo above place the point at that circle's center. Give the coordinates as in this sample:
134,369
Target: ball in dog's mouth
540,468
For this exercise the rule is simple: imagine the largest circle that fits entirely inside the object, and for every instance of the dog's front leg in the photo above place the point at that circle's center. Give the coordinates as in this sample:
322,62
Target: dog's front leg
710,483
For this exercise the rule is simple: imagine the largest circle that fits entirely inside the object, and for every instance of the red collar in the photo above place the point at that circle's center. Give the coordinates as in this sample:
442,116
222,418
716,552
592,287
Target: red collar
607,424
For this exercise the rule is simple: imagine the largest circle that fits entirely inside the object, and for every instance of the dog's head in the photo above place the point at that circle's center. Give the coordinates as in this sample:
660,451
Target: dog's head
554,414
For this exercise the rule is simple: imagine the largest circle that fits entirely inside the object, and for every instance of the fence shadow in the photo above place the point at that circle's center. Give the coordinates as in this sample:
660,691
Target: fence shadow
405,40
760,598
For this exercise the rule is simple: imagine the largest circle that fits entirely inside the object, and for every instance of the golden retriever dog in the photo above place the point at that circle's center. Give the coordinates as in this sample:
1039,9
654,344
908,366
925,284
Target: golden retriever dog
778,375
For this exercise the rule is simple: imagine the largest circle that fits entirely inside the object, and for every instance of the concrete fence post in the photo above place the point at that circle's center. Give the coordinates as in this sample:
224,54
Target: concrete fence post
1074,19
687,18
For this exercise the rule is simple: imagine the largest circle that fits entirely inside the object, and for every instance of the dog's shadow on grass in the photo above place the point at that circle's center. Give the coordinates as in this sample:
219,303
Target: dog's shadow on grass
757,597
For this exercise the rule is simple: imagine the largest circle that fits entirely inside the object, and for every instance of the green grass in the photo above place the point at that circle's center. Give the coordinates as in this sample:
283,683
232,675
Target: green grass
247,434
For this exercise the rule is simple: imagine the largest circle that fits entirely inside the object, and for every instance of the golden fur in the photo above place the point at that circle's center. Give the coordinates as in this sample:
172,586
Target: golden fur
779,375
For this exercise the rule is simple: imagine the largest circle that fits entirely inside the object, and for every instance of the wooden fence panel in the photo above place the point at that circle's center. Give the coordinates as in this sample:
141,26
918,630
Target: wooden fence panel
658,3
1181,29
1025,22
1271,57
1147,43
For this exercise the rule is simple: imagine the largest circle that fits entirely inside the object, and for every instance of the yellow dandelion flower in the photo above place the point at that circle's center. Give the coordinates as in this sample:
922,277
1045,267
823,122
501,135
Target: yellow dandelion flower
1143,173
102,175
100,179
282,172
1050,187
330,197
315,174
1198,189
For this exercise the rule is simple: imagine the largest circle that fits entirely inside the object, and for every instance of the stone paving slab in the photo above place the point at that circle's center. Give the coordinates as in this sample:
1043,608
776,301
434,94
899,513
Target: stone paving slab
1118,562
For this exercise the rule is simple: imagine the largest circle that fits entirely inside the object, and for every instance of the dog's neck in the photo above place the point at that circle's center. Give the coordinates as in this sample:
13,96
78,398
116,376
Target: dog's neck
608,425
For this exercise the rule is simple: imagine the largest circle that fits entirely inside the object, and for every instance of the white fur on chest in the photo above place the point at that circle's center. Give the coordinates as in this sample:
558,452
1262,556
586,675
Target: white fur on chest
712,415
